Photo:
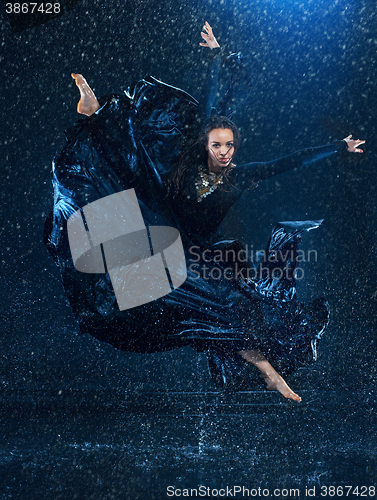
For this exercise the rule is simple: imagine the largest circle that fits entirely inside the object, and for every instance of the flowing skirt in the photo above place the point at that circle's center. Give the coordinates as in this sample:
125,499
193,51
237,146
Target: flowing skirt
216,305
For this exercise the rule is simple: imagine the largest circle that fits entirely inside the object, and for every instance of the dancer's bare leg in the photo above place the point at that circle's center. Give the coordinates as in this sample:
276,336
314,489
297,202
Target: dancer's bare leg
274,381
88,103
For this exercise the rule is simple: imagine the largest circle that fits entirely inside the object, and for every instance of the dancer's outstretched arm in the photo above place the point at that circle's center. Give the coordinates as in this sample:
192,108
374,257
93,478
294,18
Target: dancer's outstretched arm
243,174
210,82
88,103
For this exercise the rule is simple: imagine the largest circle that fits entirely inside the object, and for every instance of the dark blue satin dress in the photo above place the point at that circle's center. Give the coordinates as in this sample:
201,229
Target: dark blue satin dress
133,142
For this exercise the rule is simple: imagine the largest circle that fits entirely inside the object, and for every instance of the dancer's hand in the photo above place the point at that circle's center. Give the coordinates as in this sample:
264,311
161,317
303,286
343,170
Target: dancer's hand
353,144
209,37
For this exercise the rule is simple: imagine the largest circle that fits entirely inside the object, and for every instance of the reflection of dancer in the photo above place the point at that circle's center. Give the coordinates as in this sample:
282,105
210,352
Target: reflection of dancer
135,143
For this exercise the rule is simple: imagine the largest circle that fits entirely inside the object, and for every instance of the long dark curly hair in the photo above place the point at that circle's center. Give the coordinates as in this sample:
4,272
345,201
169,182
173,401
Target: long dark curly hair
196,154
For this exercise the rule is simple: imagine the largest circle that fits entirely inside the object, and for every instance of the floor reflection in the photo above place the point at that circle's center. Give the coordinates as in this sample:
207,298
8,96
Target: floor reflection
135,446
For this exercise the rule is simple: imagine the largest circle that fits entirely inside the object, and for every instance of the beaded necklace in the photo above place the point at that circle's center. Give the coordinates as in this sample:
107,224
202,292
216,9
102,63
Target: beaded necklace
207,183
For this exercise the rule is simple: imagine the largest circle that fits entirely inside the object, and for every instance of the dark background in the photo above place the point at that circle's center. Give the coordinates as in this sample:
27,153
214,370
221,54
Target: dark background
314,71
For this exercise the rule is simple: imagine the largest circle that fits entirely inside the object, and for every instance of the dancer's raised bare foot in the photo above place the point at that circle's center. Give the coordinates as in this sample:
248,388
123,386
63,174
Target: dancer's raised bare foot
88,103
274,381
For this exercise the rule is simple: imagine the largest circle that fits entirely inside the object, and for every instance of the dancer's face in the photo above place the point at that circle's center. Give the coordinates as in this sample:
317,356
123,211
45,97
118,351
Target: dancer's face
220,147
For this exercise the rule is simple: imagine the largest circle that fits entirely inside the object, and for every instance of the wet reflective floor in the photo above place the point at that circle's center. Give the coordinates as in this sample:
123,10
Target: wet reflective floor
123,445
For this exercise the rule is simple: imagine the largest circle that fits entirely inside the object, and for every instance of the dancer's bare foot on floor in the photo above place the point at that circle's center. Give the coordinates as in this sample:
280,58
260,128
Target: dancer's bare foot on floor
88,103
276,383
